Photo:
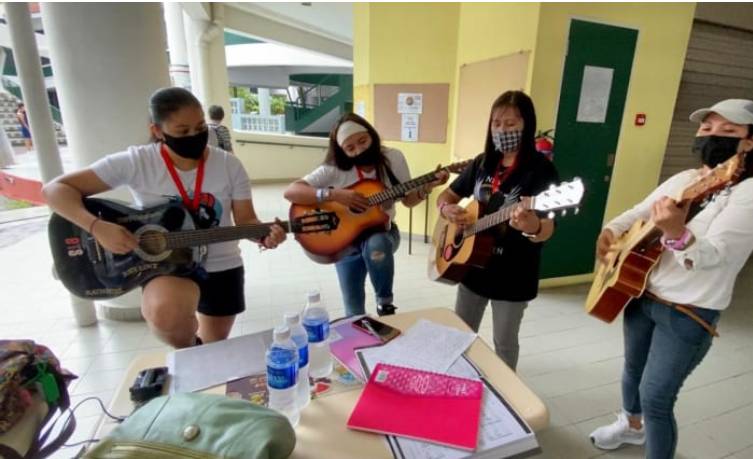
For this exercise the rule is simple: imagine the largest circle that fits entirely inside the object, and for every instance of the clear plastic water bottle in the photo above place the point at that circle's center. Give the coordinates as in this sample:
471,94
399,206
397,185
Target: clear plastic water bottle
282,374
301,339
316,322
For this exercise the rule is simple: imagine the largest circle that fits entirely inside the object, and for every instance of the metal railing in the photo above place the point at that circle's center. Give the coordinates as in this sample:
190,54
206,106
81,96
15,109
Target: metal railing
258,123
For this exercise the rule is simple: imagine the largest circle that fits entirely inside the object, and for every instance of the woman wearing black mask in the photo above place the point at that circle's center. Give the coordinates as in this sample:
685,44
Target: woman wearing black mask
664,343
356,153
178,165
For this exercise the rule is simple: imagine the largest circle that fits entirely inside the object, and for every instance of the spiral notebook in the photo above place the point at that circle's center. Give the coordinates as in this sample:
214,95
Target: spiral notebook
421,405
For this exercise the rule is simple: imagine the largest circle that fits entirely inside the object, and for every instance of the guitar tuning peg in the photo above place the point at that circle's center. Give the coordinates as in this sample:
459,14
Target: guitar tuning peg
564,213
576,211
550,215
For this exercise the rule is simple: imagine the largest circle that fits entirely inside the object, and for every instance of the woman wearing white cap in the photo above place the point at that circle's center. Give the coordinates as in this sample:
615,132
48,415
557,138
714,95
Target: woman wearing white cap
669,330
356,153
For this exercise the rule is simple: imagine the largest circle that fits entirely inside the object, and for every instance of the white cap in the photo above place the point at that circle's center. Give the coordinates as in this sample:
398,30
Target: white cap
292,318
739,111
313,296
347,129
281,333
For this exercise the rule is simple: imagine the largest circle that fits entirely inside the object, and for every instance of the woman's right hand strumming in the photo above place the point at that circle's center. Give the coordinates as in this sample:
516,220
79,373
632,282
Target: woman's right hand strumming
113,237
604,244
351,199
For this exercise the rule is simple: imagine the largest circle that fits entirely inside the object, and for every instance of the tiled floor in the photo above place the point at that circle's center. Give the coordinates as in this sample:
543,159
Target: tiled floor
571,360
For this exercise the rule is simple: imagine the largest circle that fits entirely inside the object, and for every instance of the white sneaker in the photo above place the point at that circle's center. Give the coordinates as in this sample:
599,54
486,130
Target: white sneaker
612,436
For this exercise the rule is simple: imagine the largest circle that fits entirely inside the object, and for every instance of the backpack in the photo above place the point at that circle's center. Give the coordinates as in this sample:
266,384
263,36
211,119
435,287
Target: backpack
30,378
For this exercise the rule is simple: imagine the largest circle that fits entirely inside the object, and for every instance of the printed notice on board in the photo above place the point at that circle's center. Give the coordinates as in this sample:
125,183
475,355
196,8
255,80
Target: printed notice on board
594,94
410,102
409,127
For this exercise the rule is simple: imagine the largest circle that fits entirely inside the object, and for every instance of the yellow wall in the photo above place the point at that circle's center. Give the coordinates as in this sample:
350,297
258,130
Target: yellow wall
407,43
428,43
664,29
361,44
490,30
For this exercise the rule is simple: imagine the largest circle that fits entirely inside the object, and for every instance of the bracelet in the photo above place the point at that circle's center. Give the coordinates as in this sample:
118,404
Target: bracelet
319,195
91,226
679,243
533,235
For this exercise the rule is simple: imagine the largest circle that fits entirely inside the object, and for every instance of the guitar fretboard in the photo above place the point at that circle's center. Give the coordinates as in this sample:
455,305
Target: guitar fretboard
192,238
495,218
401,190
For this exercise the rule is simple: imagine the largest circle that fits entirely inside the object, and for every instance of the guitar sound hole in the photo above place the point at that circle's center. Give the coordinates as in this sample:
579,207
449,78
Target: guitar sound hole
153,242
457,241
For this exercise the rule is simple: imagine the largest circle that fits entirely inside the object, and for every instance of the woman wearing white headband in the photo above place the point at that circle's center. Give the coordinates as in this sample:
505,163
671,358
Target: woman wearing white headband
356,153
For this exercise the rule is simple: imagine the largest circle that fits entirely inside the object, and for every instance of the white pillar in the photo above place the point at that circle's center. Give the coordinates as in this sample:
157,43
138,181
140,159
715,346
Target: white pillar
201,36
29,67
176,44
107,58
265,102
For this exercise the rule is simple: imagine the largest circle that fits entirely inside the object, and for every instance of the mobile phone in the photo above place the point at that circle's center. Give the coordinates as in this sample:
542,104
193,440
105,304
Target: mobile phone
372,326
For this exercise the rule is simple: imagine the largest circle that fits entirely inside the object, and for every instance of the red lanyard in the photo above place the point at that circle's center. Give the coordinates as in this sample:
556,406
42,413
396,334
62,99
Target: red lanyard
192,206
360,174
499,178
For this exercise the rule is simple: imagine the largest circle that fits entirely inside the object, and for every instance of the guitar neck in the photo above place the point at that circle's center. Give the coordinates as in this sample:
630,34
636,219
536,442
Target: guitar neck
495,218
401,190
192,238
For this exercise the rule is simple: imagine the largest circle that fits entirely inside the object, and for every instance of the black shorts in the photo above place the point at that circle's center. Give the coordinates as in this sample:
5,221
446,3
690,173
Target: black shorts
222,292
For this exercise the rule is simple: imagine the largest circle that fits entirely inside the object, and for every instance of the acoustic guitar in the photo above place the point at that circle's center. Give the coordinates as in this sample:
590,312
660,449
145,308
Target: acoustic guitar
455,250
333,246
168,244
624,272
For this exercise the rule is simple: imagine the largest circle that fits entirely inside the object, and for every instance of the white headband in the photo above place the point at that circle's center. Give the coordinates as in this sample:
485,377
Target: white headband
347,129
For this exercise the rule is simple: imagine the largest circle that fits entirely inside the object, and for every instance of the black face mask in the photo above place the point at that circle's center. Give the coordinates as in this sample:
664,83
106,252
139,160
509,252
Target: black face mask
190,146
715,149
368,157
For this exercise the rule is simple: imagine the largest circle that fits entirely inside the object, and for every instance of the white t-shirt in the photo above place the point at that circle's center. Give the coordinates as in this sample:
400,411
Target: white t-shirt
328,175
142,169
703,274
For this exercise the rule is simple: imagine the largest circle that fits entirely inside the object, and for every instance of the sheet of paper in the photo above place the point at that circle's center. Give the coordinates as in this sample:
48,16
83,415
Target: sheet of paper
200,367
594,94
410,102
426,346
409,127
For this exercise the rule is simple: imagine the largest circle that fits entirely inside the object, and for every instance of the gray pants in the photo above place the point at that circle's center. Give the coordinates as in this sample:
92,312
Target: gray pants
506,318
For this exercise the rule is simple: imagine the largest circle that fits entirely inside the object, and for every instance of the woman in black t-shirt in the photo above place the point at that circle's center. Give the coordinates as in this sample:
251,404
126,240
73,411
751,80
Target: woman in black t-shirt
508,169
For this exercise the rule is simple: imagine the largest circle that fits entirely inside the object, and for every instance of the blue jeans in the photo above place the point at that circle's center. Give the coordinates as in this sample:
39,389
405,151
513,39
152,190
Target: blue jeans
662,347
372,255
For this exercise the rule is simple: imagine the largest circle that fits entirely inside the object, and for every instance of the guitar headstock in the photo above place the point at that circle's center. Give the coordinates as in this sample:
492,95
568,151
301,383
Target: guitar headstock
315,221
719,177
559,197
458,167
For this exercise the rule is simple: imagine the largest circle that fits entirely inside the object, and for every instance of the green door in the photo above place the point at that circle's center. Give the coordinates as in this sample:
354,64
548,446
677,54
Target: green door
592,100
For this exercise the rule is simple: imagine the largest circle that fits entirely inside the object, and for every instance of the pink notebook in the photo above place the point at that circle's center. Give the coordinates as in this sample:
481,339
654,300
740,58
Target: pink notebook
343,343
421,405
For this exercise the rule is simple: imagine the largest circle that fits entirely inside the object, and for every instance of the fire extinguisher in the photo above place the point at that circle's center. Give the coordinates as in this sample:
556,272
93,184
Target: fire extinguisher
545,143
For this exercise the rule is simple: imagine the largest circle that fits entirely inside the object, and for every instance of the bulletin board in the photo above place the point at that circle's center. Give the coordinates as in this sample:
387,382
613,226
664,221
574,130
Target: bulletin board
433,119
479,85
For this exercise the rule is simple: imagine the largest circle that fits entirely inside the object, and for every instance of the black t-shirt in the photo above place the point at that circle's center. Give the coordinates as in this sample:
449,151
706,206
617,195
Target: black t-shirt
512,273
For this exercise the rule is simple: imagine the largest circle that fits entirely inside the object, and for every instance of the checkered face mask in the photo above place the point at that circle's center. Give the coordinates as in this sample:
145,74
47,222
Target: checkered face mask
505,141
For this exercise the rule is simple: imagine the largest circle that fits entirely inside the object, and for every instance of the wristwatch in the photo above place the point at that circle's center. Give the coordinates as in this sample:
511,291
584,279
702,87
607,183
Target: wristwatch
323,194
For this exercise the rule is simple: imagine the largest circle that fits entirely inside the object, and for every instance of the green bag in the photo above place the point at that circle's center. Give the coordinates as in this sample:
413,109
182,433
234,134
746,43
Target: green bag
200,426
